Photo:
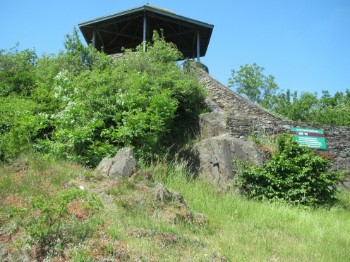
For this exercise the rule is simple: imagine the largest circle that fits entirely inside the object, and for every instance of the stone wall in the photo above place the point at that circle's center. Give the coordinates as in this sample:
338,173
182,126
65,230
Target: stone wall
241,118
232,103
337,138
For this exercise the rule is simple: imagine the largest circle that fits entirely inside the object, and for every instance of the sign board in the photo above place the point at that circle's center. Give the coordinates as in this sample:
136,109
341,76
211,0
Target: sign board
312,138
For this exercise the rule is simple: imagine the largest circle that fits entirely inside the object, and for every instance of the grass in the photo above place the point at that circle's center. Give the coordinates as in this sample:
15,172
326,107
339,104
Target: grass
242,230
123,220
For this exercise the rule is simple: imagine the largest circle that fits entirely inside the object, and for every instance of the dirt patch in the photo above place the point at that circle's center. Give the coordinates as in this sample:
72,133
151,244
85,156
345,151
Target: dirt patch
15,201
18,176
76,208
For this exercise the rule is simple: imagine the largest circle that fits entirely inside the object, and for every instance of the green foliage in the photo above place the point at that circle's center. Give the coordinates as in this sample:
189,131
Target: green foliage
20,125
309,108
250,81
294,175
17,72
124,185
124,102
294,107
333,110
20,122
299,231
52,226
113,233
84,105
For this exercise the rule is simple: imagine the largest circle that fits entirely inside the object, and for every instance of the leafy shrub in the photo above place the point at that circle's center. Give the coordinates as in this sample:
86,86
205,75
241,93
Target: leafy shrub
138,100
82,104
19,125
17,72
19,121
294,175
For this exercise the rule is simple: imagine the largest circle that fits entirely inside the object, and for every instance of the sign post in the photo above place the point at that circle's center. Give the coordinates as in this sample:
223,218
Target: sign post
312,138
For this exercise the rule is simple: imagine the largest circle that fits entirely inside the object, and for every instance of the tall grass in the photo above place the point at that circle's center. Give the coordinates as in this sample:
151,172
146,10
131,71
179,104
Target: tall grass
126,227
243,230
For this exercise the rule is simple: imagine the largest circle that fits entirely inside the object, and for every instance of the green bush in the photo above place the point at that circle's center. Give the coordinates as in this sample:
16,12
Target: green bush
20,125
294,175
17,72
84,105
137,100
20,122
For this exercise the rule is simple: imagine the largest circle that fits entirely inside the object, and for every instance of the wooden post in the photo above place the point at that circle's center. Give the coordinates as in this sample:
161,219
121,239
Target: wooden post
198,46
144,37
94,38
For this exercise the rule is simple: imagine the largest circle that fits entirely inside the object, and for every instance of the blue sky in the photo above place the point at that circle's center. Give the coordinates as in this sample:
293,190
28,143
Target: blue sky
305,44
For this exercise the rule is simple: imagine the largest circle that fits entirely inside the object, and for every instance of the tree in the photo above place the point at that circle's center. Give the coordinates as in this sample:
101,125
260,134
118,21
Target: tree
308,107
250,81
17,74
294,107
333,110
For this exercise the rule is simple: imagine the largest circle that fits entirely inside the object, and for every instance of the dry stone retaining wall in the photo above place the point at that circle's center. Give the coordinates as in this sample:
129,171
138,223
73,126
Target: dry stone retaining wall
337,138
243,118
232,103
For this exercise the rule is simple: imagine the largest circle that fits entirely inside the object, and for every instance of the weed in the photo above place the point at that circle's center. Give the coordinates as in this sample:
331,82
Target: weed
133,224
53,223
122,186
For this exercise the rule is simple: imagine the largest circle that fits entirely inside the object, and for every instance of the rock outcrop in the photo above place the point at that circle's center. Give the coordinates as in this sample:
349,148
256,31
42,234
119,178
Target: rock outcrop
215,157
213,123
123,164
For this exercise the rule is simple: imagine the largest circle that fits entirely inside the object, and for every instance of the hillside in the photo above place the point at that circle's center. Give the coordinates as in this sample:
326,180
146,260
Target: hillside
59,211
61,114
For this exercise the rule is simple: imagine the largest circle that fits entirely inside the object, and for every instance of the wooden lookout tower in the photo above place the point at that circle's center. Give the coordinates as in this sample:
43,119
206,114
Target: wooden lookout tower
132,27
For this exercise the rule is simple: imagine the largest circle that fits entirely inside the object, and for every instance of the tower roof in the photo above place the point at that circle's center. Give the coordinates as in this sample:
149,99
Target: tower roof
130,28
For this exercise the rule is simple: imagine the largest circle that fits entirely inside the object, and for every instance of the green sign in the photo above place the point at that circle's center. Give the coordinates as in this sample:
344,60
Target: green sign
312,138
